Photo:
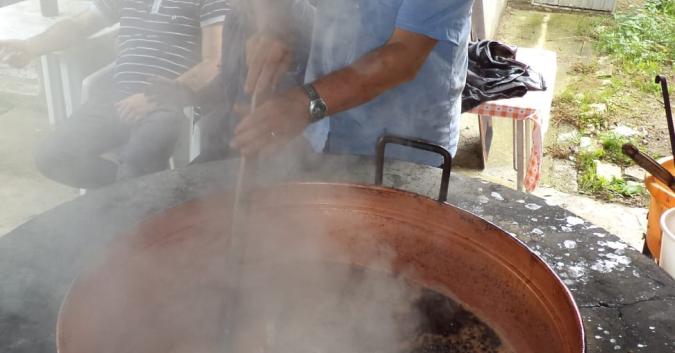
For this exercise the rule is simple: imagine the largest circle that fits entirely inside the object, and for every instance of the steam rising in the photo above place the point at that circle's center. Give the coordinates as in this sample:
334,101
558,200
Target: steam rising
302,288
321,306
294,296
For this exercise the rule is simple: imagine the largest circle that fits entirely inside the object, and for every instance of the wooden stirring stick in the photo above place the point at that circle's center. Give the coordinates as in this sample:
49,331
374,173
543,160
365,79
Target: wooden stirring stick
237,241
244,171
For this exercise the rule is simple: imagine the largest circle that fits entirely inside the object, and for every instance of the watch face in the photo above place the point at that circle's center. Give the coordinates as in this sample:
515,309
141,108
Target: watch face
318,109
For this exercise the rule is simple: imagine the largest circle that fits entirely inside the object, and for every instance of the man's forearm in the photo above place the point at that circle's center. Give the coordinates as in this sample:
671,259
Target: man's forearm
364,80
199,77
284,116
395,63
67,32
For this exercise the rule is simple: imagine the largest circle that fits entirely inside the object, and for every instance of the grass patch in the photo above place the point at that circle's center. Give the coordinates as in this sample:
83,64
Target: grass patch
617,87
641,40
589,181
580,105
611,145
615,189
641,35
624,189
639,43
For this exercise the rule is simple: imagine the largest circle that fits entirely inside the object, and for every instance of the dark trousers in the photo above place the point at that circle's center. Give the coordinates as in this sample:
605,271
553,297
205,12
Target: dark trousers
71,154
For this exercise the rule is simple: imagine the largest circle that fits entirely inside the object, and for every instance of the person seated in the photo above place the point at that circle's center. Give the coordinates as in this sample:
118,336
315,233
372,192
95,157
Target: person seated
161,40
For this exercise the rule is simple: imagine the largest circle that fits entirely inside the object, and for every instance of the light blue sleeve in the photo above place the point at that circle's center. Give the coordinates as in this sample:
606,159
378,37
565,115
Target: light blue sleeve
443,20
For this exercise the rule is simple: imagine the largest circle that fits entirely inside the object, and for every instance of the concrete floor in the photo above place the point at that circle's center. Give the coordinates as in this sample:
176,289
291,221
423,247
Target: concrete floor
23,190
25,193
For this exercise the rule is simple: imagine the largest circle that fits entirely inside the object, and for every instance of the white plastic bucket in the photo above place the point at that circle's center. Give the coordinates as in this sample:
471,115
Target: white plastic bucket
667,259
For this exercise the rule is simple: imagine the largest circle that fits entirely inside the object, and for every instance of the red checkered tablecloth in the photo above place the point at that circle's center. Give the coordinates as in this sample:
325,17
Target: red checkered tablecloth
533,174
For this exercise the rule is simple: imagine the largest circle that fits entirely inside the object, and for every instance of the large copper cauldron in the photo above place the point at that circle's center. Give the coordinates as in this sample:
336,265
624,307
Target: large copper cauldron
155,286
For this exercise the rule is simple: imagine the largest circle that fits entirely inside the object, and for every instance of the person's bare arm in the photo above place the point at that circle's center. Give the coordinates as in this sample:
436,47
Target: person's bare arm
396,63
61,35
181,91
200,75
286,115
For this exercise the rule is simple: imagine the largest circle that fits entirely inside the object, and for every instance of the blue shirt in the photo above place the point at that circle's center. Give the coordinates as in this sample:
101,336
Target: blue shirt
428,107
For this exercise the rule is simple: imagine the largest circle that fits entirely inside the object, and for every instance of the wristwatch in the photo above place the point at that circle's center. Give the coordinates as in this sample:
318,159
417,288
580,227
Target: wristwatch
317,106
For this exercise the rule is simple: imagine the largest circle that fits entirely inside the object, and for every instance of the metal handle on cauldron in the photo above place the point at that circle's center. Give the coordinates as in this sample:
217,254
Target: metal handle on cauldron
418,144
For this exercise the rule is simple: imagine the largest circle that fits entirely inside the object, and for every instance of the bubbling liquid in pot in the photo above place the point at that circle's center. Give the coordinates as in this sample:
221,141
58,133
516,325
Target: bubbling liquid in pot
358,311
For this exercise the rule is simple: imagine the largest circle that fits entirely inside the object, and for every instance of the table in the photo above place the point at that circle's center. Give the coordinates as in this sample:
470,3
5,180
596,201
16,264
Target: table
626,301
532,109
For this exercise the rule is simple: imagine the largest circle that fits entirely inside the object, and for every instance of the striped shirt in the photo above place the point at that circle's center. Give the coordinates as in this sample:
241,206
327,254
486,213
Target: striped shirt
159,37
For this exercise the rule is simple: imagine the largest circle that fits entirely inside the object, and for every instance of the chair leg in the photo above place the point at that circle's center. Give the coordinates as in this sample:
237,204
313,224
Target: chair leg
528,141
520,154
514,145
486,133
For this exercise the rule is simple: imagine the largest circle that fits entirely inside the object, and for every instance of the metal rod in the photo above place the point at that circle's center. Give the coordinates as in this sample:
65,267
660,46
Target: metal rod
649,164
669,113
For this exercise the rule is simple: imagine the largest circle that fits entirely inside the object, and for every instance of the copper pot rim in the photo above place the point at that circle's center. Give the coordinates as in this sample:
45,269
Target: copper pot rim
578,321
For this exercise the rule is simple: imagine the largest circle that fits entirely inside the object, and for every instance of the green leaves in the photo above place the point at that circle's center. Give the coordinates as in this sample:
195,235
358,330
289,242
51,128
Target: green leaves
642,34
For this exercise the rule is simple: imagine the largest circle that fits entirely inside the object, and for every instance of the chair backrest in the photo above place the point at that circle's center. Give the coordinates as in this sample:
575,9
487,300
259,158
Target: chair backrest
84,65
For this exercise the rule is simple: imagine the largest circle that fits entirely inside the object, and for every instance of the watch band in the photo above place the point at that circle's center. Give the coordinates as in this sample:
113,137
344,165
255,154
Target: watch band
311,92
317,107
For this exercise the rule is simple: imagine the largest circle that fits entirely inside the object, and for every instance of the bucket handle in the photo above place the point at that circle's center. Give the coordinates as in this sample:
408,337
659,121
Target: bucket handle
417,144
